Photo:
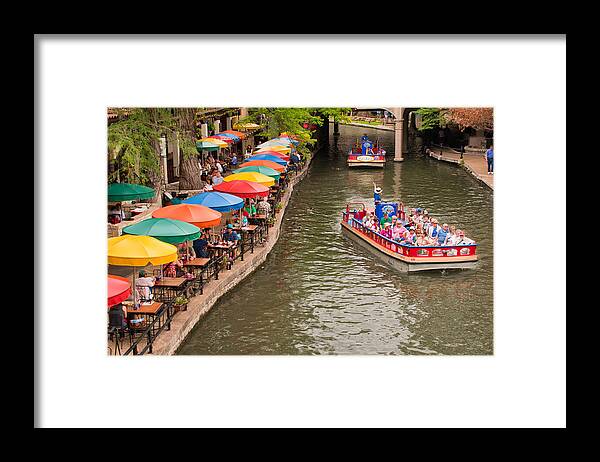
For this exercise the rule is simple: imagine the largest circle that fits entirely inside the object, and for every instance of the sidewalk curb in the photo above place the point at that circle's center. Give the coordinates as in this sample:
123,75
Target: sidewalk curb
464,166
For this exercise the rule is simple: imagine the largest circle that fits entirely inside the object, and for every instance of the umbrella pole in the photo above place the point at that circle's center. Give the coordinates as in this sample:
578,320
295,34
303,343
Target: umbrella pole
134,290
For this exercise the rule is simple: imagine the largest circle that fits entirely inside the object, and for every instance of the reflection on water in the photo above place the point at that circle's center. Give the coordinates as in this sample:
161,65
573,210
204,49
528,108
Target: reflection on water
319,293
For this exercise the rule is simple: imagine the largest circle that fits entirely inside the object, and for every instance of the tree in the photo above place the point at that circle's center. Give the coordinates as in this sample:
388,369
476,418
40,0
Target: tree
189,169
133,143
479,118
339,114
274,121
430,118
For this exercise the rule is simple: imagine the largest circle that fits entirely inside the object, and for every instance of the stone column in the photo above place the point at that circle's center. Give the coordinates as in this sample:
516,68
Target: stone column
163,158
217,124
398,140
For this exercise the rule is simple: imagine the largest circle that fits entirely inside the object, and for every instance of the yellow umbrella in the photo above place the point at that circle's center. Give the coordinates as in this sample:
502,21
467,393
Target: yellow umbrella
217,141
133,250
248,126
252,176
275,147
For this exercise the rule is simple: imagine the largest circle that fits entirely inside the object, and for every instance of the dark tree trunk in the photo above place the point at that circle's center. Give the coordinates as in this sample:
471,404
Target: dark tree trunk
189,174
189,169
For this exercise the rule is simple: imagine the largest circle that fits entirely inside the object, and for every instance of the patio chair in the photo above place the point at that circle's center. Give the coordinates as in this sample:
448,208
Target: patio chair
117,327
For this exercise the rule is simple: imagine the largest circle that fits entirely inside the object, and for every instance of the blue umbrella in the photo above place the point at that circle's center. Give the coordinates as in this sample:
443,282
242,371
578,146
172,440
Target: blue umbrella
221,202
276,159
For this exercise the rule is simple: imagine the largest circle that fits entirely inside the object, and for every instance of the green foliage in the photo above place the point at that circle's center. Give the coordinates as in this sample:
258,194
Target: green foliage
339,114
274,121
133,139
430,118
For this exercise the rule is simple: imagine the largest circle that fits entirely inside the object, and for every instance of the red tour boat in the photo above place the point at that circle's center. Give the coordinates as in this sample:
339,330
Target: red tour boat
366,154
403,257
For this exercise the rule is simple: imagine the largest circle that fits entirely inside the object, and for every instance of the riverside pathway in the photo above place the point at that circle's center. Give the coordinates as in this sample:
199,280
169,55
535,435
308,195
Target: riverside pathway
474,163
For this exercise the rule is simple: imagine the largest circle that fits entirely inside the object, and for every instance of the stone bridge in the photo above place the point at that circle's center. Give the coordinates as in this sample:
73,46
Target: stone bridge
404,118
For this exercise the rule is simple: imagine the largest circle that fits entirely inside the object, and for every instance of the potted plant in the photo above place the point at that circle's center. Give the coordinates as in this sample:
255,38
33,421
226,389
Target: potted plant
278,207
180,303
270,221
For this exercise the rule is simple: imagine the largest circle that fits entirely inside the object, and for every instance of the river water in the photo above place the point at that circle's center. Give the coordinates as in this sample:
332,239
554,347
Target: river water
320,293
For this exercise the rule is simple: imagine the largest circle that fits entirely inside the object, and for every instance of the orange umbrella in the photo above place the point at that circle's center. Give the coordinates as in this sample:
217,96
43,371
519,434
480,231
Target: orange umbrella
263,163
197,215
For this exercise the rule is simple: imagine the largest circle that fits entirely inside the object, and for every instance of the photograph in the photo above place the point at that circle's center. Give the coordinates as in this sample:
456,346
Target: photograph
300,231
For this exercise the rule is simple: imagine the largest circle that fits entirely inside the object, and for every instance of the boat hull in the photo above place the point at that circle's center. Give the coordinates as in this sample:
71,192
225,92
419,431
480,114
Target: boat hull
371,164
404,264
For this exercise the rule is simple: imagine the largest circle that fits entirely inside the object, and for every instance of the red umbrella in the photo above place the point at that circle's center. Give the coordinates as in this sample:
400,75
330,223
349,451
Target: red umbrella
119,289
223,138
274,153
236,133
242,188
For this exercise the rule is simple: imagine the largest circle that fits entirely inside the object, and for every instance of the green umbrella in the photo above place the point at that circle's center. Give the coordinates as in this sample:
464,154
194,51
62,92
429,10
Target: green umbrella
260,169
165,229
206,146
119,192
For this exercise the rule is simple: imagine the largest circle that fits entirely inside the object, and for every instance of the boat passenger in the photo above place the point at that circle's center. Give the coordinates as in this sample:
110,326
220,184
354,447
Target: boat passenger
387,230
412,237
422,239
385,219
434,228
451,237
462,240
442,234
377,194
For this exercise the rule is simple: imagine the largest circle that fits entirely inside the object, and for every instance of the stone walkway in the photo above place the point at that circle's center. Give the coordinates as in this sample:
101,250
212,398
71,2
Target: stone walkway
474,163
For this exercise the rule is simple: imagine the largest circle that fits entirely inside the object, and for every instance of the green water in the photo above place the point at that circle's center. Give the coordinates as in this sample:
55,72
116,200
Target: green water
319,293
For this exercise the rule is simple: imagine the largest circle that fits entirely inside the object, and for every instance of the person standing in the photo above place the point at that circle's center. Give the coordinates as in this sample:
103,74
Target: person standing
376,194
489,154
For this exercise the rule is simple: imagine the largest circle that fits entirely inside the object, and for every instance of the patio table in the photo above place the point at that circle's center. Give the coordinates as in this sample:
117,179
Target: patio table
198,265
168,288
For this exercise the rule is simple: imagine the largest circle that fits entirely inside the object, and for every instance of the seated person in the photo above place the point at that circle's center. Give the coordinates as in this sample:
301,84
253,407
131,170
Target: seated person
411,239
462,240
442,234
172,269
387,230
385,219
451,236
433,228
143,284
230,235
117,316
249,208
201,246
264,207
398,230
